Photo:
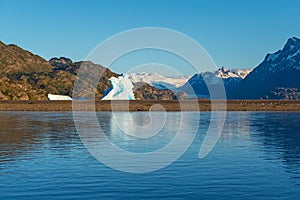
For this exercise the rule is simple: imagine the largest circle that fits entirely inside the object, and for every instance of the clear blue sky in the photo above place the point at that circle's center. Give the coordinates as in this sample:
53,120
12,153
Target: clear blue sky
236,33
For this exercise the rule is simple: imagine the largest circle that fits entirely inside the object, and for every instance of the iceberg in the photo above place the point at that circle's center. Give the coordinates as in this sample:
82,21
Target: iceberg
54,97
121,89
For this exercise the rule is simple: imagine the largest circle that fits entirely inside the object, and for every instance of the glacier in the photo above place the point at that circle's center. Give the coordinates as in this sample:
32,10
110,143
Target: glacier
158,80
121,89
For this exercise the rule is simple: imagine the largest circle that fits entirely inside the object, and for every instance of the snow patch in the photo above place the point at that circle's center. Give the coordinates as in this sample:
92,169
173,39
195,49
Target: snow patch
242,72
274,56
292,46
294,54
294,39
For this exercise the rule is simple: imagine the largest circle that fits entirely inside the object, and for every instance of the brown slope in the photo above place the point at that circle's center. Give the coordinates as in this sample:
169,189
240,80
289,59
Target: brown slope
14,59
25,76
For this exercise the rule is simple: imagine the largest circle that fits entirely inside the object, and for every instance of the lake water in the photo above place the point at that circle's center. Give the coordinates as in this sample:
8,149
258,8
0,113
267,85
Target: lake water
256,157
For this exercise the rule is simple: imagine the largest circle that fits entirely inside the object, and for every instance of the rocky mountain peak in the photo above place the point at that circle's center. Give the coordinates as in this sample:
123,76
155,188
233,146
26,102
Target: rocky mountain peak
62,60
279,70
290,49
225,73
292,42
285,59
270,57
61,63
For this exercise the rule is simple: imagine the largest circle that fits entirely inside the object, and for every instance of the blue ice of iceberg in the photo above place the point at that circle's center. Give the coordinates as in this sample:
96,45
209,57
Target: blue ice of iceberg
121,89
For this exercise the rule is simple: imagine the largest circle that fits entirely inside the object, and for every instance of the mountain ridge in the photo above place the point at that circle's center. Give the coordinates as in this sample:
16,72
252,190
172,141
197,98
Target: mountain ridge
14,59
276,77
25,76
158,80
280,69
197,84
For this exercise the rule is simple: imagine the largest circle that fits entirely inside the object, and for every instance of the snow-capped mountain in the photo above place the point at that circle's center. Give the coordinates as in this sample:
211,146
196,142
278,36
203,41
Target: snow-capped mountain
286,59
278,74
226,75
232,73
197,85
242,72
159,81
277,77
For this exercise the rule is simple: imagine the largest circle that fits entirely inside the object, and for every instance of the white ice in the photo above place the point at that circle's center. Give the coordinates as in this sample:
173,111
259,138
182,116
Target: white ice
54,97
121,89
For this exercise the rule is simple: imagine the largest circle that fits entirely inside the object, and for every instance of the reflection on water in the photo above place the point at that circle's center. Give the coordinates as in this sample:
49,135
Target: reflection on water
257,157
276,134
23,133
138,124
280,138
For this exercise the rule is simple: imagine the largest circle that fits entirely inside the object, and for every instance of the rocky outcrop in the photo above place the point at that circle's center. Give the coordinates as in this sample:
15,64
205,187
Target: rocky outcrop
144,91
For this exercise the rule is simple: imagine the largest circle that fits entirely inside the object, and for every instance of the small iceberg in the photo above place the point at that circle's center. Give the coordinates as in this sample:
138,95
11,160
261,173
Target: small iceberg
54,97
121,89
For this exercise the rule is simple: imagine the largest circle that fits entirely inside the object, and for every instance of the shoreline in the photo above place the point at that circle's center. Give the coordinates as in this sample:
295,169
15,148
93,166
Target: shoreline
145,105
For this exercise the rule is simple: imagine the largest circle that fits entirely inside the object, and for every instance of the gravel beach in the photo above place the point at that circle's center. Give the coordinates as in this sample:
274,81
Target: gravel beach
184,105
